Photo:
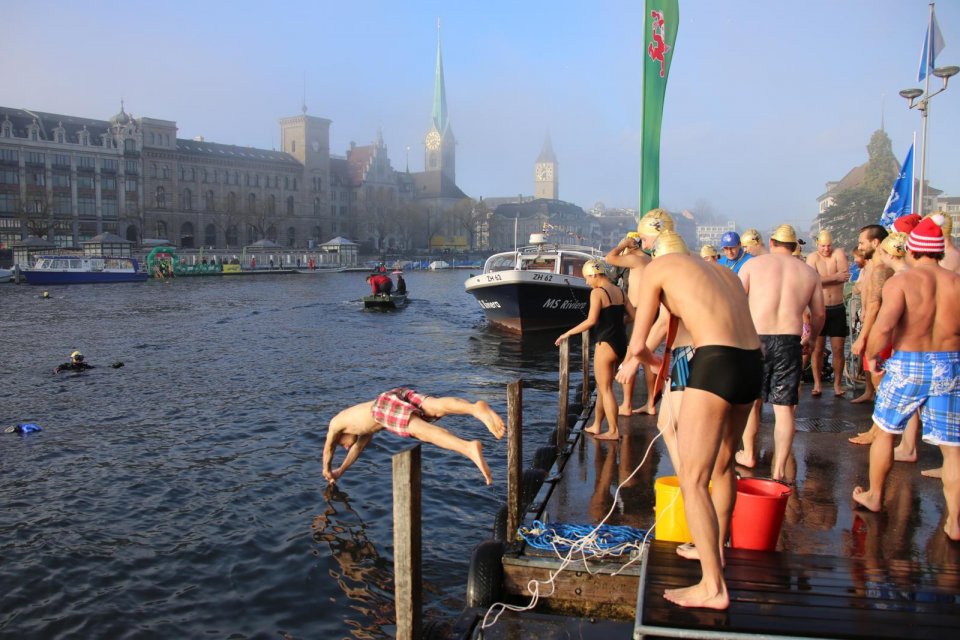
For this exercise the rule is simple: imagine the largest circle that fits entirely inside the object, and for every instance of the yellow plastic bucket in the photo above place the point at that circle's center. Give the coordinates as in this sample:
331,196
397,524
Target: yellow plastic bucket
671,521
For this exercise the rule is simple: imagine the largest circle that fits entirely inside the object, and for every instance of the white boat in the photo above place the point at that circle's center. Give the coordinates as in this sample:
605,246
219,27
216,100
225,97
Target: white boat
534,288
6,275
84,270
439,264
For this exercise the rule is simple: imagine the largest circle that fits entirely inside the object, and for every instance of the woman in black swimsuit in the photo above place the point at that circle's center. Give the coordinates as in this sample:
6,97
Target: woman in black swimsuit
608,309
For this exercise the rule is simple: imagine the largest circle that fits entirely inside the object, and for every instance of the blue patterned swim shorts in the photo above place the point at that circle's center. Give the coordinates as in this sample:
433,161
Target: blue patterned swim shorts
925,380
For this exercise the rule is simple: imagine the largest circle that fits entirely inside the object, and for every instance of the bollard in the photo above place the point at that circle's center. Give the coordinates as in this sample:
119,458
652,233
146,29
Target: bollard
585,367
514,458
562,419
407,557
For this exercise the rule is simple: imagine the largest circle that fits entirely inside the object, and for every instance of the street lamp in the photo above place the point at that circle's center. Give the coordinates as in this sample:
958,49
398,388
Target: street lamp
944,73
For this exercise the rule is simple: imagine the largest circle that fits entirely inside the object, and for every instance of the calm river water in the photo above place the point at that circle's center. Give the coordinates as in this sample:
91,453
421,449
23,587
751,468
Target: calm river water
181,495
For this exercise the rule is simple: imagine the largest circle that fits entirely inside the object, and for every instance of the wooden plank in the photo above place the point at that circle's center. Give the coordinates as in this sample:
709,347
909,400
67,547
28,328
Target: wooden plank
563,427
514,457
585,367
407,544
574,592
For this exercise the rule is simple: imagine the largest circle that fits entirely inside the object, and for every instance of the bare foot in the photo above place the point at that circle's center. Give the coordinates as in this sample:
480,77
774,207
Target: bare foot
625,410
688,551
650,410
861,399
744,460
867,500
699,595
489,417
902,455
839,392
475,453
933,473
863,438
609,435
816,392
593,429
952,532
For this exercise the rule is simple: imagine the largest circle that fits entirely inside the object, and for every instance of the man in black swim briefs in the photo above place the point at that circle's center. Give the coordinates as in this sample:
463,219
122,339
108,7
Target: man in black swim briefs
725,378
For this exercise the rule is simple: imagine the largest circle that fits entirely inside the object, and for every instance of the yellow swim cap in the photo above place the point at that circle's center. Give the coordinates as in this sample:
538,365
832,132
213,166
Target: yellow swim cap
655,221
824,237
895,244
669,242
947,226
751,238
708,251
76,354
594,267
784,233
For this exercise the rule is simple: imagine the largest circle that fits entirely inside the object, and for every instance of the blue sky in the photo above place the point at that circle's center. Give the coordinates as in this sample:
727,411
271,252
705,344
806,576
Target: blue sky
767,100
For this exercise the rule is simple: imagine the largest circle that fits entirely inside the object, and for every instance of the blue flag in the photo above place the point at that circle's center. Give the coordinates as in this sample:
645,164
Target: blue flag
928,55
900,202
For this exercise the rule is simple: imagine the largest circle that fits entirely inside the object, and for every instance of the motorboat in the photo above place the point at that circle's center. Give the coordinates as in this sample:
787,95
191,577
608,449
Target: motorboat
6,275
539,287
385,302
84,270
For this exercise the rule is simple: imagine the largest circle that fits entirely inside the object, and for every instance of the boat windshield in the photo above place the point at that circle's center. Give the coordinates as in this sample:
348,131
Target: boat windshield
501,262
538,263
572,265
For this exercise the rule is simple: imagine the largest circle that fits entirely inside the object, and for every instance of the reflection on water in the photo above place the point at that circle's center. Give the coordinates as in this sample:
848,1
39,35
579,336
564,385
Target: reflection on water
181,495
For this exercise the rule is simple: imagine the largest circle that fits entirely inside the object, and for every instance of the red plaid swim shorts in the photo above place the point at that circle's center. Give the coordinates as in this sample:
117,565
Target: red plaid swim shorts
393,410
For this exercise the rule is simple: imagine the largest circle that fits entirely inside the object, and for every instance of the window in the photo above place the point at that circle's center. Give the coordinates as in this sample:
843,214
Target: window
204,176
87,207
108,209
208,202
10,176
61,160
153,169
210,235
187,200
165,172
293,146
161,198
131,185
58,136
333,211
86,162
232,236
294,184
9,156
84,182
271,204
61,179
109,164
289,205
9,203
129,145
62,206
291,236
35,158
231,202
7,129
251,203
130,167
316,206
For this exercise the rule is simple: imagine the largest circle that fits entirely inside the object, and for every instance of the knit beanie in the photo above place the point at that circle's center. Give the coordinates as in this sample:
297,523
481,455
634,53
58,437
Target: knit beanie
908,223
927,237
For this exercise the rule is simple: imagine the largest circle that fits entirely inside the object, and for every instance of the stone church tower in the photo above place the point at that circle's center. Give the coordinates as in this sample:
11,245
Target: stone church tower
546,180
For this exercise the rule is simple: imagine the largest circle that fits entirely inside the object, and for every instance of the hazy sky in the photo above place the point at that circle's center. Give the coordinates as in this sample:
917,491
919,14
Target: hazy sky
767,100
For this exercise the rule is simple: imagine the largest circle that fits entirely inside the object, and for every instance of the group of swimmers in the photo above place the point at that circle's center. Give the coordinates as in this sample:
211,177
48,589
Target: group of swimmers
737,329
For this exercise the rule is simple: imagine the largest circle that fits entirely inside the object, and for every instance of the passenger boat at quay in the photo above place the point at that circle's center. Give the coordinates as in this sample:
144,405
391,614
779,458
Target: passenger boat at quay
539,287
84,270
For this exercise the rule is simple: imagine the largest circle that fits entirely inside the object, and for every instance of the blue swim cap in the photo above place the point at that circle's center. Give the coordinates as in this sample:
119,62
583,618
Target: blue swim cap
730,239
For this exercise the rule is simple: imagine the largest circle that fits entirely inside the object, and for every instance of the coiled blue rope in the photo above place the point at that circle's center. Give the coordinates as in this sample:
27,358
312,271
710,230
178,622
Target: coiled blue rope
558,536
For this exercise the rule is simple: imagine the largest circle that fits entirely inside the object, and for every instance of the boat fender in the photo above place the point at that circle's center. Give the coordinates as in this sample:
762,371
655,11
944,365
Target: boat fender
485,578
24,428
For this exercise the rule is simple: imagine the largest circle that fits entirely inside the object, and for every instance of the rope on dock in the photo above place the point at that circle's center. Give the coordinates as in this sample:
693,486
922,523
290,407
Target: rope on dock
605,540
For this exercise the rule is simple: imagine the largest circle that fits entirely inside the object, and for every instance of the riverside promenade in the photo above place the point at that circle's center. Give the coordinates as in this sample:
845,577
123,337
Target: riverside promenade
837,572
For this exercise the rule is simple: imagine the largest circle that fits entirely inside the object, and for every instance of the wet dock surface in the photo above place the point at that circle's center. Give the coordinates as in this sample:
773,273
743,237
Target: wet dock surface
898,562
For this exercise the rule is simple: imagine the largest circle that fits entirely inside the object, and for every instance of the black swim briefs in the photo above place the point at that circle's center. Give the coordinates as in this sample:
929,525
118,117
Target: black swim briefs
734,374
782,366
836,322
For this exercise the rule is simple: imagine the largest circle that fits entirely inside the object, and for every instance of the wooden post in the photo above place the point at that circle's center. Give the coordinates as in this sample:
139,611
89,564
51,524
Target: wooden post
562,421
406,543
585,365
514,457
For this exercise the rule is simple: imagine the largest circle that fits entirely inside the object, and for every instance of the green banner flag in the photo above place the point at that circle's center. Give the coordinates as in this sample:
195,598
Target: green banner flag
661,19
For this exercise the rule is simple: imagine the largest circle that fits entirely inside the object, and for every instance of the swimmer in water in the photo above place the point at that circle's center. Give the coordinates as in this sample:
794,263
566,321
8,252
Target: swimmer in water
407,414
76,364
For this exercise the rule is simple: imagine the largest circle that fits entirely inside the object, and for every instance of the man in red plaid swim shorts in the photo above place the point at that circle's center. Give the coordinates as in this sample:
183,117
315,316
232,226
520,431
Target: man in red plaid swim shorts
408,414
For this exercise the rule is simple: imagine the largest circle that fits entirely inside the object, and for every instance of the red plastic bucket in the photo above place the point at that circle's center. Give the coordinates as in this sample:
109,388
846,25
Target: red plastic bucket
758,514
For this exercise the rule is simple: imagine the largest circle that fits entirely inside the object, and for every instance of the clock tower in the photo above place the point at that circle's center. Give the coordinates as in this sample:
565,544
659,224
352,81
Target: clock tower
439,143
546,181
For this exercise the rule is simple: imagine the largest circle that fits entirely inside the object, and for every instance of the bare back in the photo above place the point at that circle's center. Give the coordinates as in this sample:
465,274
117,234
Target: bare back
951,259
638,262
780,288
828,268
708,298
925,301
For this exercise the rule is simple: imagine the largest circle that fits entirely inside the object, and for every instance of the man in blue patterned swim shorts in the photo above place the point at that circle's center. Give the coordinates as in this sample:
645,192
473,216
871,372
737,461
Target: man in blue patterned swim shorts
921,312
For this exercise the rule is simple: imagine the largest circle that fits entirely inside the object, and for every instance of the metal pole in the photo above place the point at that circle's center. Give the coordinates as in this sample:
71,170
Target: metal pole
925,105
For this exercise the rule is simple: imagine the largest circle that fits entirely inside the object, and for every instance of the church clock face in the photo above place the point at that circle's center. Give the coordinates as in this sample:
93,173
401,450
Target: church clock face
544,172
433,141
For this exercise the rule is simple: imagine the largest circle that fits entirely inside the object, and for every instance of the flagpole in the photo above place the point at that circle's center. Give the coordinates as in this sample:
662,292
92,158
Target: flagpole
913,184
931,45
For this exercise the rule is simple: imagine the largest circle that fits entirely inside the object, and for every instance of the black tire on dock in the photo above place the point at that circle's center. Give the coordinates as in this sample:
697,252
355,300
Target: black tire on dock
544,457
530,485
500,524
434,630
575,407
485,579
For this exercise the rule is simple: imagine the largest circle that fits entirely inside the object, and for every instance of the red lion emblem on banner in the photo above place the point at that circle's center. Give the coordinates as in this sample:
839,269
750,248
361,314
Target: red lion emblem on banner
658,48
